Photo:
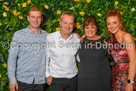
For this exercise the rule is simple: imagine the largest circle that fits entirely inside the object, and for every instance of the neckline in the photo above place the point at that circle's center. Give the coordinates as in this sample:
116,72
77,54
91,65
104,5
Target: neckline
85,40
60,35
93,40
116,41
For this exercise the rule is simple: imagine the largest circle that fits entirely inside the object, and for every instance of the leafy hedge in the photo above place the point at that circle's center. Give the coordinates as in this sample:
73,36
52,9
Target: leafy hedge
13,15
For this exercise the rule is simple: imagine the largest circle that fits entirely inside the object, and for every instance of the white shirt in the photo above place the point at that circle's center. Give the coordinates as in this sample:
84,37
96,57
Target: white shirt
61,55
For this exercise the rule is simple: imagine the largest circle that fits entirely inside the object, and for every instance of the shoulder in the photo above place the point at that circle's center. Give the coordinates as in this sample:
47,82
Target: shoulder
75,37
127,37
52,35
44,32
102,38
19,32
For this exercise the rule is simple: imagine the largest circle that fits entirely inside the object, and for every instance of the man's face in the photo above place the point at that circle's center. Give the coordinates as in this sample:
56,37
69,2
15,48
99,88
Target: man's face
67,24
35,18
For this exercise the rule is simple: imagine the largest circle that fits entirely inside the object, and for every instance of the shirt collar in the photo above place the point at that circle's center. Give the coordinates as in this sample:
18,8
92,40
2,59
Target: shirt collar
30,31
59,35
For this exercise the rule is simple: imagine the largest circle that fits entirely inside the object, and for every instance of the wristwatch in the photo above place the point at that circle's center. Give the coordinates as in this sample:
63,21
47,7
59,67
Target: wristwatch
129,81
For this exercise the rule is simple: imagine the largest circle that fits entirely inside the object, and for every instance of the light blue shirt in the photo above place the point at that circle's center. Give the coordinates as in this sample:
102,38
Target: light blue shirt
26,61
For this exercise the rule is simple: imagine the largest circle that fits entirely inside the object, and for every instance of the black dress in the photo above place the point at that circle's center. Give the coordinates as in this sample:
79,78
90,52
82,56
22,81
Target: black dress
94,72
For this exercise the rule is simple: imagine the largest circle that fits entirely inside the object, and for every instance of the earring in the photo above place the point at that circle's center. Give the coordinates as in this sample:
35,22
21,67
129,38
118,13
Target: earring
120,27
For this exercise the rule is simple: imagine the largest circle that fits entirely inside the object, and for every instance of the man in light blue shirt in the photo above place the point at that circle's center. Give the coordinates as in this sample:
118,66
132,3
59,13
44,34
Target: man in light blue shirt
26,61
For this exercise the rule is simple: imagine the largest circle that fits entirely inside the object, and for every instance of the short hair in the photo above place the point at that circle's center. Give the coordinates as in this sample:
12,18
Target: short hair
90,20
34,9
67,13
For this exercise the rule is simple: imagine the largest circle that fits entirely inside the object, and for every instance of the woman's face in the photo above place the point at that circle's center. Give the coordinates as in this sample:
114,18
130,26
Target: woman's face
90,30
113,24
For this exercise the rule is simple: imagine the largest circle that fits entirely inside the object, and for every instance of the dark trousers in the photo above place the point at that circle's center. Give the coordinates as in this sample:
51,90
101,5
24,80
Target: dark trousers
64,84
30,87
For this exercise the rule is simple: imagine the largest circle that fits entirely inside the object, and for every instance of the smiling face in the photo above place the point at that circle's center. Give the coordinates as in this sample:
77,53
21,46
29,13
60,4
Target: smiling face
67,24
35,18
113,24
90,31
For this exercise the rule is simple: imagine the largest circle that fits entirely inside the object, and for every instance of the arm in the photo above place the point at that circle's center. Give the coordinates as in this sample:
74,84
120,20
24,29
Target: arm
78,45
13,53
132,64
77,35
81,38
77,57
48,77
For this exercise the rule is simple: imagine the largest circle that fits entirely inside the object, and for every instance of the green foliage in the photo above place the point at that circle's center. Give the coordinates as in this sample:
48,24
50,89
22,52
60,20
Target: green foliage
4,82
13,21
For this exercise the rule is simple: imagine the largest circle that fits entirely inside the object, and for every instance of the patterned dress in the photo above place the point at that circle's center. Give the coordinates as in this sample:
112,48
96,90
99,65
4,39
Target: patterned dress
120,69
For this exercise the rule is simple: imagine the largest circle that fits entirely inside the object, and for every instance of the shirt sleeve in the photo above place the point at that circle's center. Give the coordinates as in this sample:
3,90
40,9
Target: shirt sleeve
78,47
77,57
12,58
47,59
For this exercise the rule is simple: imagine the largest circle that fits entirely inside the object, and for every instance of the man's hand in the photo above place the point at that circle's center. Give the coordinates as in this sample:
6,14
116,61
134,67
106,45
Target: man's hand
129,87
49,80
13,87
78,35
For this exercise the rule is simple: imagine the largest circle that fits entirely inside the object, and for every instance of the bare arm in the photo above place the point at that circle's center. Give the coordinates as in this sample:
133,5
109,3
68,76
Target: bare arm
132,63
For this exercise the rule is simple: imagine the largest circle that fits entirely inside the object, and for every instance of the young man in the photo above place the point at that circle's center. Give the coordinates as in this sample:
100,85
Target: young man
26,62
61,68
